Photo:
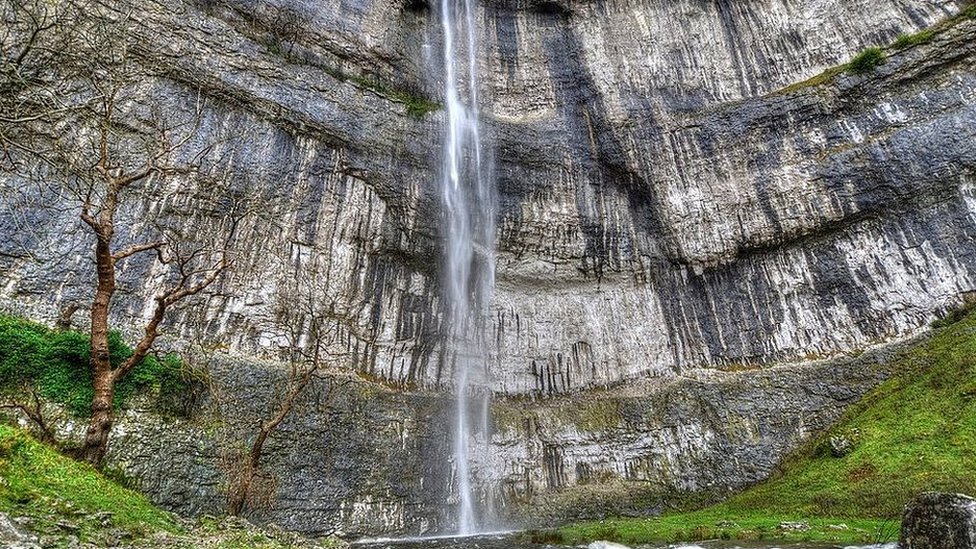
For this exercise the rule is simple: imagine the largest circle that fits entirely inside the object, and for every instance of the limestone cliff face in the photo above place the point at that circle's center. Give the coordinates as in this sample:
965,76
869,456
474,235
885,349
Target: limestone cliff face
663,208
671,202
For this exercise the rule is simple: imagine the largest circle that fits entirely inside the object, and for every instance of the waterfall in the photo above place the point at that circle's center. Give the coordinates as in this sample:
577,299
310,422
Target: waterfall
470,231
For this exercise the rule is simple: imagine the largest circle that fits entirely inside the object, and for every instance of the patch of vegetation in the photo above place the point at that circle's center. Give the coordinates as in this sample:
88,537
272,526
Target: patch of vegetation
57,493
56,364
599,415
957,314
969,11
822,78
915,432
866,61
417,106
921,37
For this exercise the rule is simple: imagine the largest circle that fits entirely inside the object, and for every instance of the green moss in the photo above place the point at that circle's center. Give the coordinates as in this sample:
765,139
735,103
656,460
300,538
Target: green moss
822,78
915,432
40,483
417,106
506,417
56,364
594,416
866,61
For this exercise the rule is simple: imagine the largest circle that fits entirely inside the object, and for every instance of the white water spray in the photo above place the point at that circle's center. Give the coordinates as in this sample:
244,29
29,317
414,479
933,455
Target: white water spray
470,232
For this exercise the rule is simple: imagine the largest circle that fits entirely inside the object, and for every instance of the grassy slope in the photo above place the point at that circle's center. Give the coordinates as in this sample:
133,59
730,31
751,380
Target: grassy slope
915,432
38,482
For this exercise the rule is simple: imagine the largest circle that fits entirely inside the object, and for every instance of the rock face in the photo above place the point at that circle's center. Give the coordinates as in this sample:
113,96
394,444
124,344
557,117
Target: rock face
667,209
649,174
354,458
711,433
939,521
360,459
12,538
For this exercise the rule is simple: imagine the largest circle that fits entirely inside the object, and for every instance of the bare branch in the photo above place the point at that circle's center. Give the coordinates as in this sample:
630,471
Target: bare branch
137,248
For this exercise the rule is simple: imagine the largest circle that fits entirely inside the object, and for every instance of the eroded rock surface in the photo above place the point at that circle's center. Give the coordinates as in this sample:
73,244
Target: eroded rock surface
361,459
666,209
663,208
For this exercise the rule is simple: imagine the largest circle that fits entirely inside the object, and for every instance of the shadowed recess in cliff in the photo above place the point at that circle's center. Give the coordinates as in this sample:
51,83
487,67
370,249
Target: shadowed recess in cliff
601,161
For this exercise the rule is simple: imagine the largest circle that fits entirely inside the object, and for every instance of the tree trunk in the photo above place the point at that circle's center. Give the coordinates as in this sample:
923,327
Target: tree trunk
251,465
100,425
103,378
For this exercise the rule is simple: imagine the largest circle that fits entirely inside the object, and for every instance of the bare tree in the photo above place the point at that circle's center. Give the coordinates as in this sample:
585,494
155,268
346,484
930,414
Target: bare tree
73,109
308,322
35,412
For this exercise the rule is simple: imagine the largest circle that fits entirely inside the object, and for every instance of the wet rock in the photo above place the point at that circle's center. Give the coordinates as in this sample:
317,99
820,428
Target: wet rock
606,545
939,521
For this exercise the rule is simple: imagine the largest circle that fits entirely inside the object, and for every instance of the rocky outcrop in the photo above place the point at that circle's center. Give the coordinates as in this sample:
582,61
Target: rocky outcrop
358,458
711,433
939,521
354,458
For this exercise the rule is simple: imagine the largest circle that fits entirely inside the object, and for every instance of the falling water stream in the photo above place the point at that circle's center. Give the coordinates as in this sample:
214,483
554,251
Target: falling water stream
469,231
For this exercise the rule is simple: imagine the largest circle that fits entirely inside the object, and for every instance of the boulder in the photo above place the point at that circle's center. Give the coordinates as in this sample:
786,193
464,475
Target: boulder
939,521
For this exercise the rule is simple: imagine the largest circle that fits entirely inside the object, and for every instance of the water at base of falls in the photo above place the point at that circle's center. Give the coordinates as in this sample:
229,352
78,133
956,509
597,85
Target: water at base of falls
513,541
469,231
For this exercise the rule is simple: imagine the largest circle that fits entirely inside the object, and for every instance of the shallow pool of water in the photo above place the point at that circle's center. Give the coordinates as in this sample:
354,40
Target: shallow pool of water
507,541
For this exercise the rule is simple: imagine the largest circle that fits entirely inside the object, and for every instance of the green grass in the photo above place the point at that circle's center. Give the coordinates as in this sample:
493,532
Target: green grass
56,364
969,11
915,432
921,37
38,482
866,61
863,63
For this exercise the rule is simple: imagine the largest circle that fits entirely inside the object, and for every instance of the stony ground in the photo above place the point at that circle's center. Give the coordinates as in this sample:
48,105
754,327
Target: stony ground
206,533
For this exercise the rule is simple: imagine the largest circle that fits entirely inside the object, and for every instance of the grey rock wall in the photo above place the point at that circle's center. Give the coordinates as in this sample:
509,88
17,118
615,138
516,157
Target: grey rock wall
667,210
354,458
358,458
934,520
661,209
